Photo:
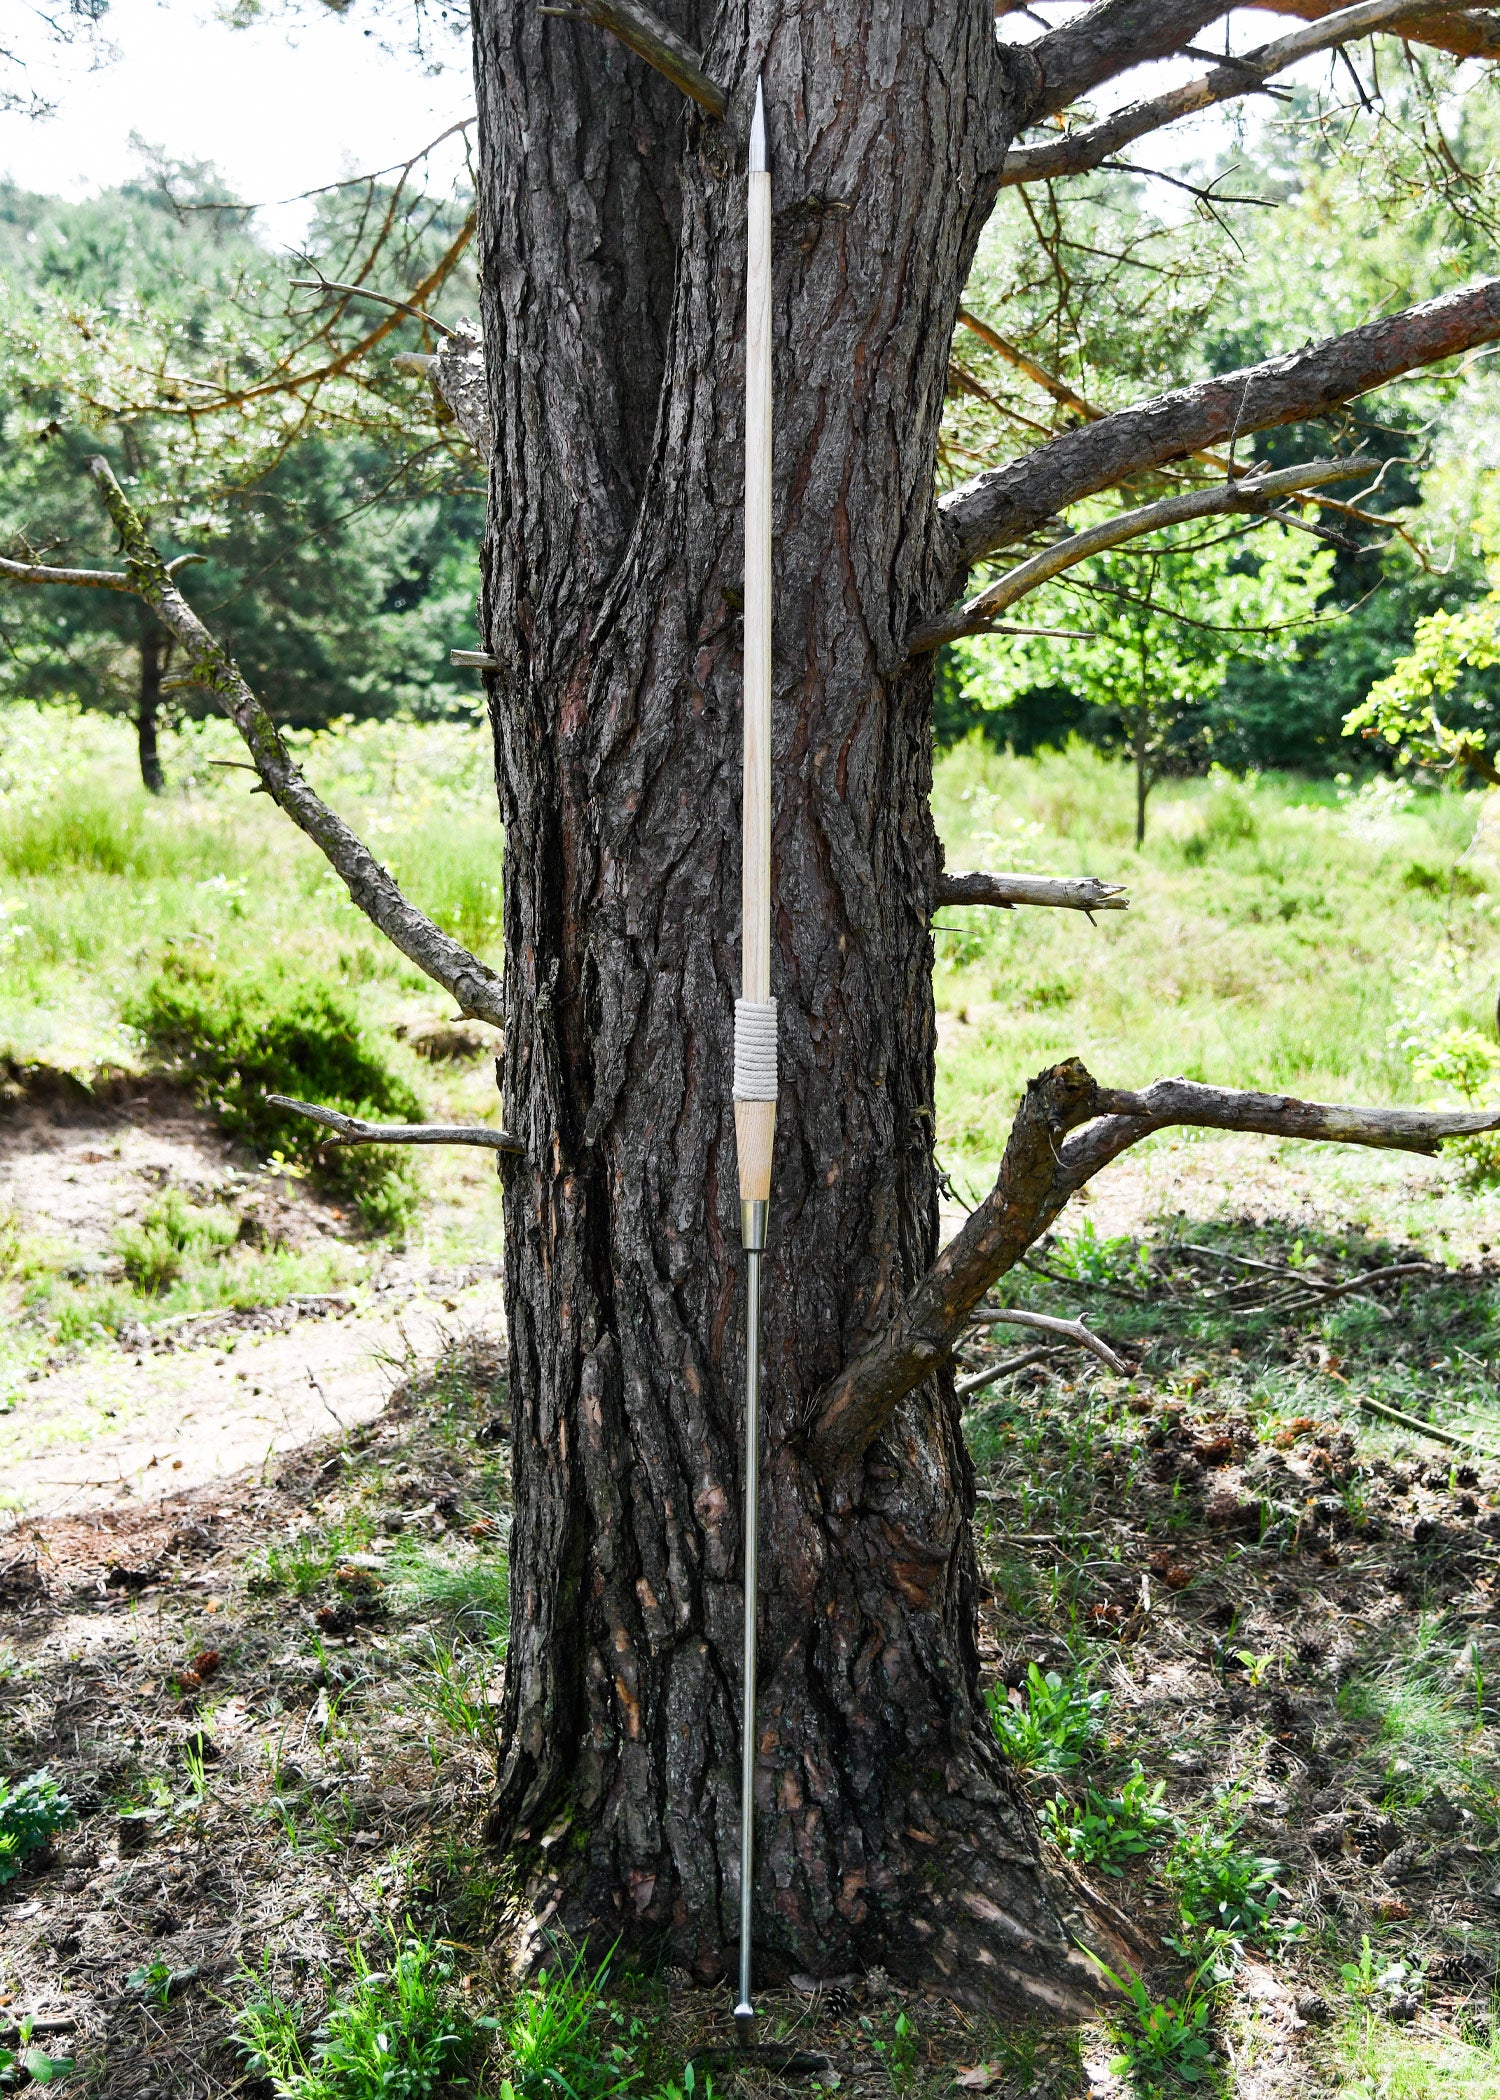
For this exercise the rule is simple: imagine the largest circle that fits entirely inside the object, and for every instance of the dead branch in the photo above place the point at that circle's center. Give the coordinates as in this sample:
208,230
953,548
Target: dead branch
1008,503
352,1130
1070,892
1255,493
980,1379
330,290
1042,1167
1079,151
651,39
1069,1330
475,986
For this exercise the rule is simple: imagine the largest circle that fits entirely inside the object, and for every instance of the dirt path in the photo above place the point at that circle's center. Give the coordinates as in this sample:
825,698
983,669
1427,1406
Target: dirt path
175,1404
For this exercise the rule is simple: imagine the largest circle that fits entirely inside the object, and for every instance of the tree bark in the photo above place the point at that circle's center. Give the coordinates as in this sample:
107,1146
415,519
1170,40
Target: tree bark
612,271
155,645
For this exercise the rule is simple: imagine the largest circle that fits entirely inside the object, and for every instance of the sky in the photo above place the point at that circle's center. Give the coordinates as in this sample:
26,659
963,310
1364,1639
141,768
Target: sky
278,107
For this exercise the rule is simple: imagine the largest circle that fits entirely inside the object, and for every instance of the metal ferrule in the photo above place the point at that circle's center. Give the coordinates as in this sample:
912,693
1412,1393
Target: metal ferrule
744,2026
753,1226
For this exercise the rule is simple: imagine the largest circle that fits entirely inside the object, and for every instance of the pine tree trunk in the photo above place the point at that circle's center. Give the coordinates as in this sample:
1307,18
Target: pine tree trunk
613,281
154,644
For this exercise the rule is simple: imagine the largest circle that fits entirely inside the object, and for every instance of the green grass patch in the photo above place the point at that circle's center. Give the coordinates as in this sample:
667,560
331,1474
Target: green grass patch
397,2034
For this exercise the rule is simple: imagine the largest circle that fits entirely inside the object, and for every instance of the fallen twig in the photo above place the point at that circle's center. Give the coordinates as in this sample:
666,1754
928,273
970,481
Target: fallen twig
1439,1436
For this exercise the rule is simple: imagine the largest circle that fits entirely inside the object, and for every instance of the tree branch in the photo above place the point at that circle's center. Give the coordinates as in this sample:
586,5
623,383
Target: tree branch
1043,1166
472,983
1003,506
1067,1330
352,1130
1070,892
87,579
1111,39
1078,151
1465,32
651,39
1254,493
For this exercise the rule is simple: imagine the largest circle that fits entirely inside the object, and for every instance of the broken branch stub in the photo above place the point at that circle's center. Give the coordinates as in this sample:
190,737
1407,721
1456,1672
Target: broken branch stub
353,1130
1068,892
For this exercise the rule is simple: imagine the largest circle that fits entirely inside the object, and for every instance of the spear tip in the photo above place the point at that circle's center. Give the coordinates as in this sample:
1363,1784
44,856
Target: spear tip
759,165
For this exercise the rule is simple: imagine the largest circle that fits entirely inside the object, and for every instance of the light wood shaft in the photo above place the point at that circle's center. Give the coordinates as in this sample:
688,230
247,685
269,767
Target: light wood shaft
755,962
755,1141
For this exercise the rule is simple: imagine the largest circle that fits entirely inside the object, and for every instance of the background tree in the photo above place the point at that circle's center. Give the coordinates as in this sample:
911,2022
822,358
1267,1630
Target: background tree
338,530
1168,621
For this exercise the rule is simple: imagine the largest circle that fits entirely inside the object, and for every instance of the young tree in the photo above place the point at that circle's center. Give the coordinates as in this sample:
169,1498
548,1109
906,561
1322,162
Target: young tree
1166,623
611,271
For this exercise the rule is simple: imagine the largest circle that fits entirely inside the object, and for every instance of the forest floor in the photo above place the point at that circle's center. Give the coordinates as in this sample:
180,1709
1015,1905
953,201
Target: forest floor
267,1692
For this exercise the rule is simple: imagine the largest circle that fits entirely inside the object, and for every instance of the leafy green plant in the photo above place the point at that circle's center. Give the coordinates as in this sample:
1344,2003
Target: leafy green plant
152,1979
244,1037
1167,2042
39,2067
1105,1830
899,2049
1220,1888
396,2035
32,1812
1054,1725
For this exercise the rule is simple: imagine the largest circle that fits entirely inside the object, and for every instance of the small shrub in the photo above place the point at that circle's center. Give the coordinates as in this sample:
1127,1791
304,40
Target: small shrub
900,2052
1166,2043
395,2036
1104,1831
32,1812
1221,1889
171,1233
1055,1726
243,1038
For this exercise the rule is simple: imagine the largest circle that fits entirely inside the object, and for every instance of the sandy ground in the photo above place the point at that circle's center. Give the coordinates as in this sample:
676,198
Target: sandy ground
177,1405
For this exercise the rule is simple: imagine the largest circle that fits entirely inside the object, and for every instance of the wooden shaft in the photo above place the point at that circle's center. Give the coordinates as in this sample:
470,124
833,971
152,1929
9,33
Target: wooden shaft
755,1140
755,961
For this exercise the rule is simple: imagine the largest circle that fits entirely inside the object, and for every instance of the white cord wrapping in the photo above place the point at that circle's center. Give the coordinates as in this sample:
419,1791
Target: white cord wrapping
755,1050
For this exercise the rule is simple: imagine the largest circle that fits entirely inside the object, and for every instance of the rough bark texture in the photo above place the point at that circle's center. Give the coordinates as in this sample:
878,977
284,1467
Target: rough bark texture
613,280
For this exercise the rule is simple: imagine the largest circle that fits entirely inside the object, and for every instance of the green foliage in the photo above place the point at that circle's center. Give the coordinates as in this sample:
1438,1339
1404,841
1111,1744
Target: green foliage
308,1558
243,1037
396,2035
899,2050
32,1812
171,1232
1166,2042
1105,1830
1053,1724
34,2063
1223,1890
555,2038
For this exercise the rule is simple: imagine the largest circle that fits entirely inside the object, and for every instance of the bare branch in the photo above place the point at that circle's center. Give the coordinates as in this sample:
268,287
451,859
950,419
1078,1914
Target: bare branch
471,982
87,579
1465,32
1070,892
651,39
1078,151
1043,1166
1003,506
1069,1330
351,1130
330,289
1255,493
1007,1365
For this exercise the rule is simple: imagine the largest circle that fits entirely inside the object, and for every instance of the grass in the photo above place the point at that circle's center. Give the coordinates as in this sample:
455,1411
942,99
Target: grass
1274,929
398,2034
1374,2060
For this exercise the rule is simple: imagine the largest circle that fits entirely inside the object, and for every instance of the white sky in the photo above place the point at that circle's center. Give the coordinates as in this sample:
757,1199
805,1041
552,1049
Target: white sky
277,108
